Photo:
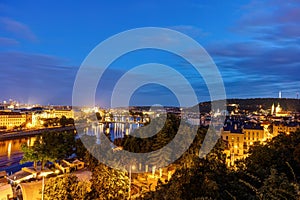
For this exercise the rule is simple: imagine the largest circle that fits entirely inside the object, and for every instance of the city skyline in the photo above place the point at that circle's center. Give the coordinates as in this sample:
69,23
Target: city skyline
254,45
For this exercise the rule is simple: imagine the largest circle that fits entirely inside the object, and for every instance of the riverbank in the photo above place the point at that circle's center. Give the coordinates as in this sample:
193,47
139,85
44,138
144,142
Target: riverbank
16,167
30,133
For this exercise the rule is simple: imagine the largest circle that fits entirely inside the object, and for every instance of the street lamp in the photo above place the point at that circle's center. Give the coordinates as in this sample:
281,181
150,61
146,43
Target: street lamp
43,187
130,167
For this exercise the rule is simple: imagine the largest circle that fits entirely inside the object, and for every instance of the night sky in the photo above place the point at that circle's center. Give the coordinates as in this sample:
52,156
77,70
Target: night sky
255,45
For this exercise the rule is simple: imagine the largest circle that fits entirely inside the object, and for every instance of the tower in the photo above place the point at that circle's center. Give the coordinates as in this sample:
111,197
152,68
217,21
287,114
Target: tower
278,109
279,95
273,109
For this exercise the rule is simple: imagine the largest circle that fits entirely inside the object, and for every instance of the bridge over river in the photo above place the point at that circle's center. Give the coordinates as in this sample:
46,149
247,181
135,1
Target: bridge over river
10,143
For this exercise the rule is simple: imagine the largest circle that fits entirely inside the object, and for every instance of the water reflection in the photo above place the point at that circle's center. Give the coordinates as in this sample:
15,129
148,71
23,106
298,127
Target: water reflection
113,130
10,150
11,154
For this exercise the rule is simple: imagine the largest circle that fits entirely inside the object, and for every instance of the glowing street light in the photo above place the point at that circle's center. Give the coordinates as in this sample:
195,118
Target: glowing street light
43,187
133,168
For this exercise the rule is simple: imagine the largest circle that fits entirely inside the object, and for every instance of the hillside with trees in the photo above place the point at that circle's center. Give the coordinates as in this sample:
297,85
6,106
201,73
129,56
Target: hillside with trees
271,171
254,104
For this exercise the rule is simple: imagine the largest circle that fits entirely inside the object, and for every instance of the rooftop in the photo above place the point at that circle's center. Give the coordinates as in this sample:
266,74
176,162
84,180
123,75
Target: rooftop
253,126
18,175
10,113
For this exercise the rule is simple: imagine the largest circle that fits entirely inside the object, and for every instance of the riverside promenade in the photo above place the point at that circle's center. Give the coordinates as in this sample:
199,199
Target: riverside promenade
29,133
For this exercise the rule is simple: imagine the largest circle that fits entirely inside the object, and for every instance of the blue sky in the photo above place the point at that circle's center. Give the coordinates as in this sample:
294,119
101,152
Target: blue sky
255,45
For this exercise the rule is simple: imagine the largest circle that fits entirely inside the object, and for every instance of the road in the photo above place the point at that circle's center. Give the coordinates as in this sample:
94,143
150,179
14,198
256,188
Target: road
21,134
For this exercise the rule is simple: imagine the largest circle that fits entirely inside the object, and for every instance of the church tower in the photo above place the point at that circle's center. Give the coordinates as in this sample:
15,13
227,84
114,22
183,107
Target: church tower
278,109
279,95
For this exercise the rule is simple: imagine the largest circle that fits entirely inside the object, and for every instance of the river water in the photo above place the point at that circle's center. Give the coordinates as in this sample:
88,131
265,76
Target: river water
11,154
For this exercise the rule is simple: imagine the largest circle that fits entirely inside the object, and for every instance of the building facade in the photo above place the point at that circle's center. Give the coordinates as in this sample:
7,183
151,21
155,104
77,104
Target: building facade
287,128
9,120
239,137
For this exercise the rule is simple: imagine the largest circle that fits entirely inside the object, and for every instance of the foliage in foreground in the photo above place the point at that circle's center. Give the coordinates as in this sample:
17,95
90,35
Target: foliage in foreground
108,183
66,187
270,172
50,146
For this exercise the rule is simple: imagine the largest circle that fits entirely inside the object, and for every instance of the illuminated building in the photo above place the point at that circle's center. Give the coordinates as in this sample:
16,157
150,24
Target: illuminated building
239,137
253,133
287,128
10,120
53,113
38,117
278,112
5,188
66,113
273,109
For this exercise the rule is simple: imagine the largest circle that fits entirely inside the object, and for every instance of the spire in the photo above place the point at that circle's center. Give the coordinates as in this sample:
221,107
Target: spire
272,109
278,109
279,95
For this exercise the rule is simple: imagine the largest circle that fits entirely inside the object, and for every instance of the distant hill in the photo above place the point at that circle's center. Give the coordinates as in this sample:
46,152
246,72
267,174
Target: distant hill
253,104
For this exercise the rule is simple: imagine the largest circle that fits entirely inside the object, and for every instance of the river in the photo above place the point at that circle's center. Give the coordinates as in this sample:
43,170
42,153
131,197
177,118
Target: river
11,154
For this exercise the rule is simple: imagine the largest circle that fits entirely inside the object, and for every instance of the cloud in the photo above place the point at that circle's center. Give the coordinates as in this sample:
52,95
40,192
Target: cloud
258,58
255,70
47,78
4,41
264,57
271,19
190,30
17,28
236,49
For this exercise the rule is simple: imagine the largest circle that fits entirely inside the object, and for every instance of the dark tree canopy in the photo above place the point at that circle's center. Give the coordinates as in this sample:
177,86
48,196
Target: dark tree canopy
50,146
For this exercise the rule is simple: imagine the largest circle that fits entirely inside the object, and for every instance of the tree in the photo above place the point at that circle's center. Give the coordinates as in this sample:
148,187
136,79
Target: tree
271,170
158,157
201,178
63,121
281,150
270,128
277,186
66,187
30,155
297,154
98,116
50,146
108,183
35,153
